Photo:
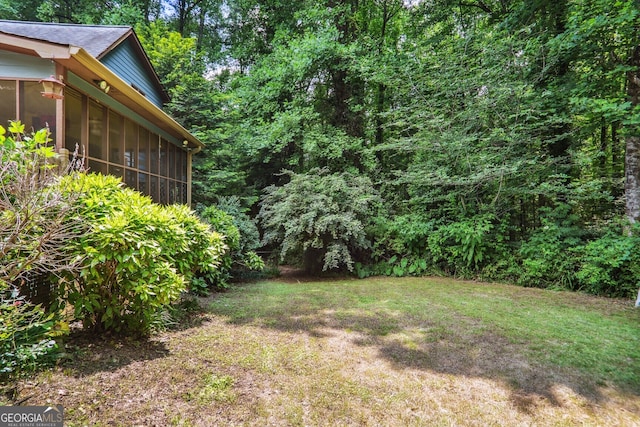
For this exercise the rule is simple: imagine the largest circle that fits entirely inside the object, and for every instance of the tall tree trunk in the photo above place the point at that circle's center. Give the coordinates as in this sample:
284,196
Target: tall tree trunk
604,156
182,17
202,20
348,88
632,175
615,148
632,150
380,95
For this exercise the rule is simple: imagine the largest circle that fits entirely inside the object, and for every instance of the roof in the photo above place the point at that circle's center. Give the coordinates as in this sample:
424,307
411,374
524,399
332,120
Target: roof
97,40
89,68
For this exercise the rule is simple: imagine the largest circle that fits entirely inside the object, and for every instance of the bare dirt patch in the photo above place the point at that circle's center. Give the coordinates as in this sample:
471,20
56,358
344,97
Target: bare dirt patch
293,274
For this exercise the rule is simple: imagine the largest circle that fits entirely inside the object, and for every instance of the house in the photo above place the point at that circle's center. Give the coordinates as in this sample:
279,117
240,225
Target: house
95,88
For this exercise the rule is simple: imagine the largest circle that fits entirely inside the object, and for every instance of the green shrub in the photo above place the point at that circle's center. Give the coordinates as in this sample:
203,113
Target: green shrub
27,335
550,257
610,265
192,246
415,245
241,235
404,235
467,245
395,266
399,247
249,235
319,217
222,223
138,257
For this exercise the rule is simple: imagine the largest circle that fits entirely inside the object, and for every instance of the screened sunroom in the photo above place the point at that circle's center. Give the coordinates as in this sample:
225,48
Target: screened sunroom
107,103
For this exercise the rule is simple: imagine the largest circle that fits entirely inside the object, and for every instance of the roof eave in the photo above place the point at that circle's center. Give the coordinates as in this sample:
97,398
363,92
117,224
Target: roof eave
96,67
44,50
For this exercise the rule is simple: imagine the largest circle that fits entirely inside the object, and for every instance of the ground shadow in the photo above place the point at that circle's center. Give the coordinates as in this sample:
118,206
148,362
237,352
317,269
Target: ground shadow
463,350
488,356
85,353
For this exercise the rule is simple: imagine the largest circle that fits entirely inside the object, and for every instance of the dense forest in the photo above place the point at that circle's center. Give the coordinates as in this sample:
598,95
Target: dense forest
492,139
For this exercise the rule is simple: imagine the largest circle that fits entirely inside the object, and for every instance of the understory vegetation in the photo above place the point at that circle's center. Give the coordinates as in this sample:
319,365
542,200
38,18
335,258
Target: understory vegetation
480,139
498,138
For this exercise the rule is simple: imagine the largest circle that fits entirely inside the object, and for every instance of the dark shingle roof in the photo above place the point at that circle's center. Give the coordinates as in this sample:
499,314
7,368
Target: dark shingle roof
95,39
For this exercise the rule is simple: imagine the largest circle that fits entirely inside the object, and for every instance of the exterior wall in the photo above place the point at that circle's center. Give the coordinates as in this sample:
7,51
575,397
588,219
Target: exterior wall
124,63
14,65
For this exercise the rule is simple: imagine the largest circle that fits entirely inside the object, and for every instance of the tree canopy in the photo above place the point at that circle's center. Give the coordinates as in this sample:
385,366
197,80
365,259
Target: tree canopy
501,135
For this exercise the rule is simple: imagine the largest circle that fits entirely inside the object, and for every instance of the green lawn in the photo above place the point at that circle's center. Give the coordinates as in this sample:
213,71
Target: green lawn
379,351
593,337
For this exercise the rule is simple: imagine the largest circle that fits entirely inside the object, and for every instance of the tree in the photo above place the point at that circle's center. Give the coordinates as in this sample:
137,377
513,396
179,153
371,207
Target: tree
603,38
115,12
249,28
289,108
319,217
173,56
25,10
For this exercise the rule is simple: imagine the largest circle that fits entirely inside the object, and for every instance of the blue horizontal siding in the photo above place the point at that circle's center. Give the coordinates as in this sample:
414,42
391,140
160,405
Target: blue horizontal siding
123,62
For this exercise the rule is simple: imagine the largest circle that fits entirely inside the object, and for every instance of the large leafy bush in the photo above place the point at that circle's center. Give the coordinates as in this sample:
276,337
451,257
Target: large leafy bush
610,264
465,245
550,257
249,235
27,335
34,239
138,257
399,246
221,222
319,217
414,245
241,236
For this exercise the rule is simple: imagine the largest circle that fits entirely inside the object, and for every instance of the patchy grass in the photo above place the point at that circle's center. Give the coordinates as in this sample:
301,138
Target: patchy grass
215,388
366,352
